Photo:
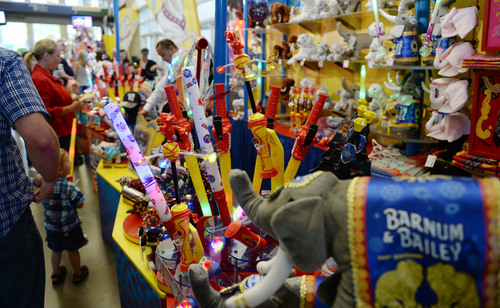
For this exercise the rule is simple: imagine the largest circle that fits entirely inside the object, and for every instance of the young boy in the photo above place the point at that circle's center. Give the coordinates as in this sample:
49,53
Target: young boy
63,224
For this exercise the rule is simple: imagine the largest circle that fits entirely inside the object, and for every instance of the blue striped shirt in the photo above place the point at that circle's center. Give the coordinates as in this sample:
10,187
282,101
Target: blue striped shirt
18,98
60,208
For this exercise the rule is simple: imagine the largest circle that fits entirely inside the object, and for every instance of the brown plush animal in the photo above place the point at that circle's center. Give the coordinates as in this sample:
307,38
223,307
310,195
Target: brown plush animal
287,52
292,42
286,85
278,51
280,13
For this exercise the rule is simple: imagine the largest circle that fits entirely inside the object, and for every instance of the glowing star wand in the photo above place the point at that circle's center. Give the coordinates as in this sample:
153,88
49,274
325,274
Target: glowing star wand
425,50
200,123
138,161
304,139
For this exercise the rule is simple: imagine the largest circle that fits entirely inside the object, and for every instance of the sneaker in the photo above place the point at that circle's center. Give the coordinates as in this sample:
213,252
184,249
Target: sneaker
84,272
59,277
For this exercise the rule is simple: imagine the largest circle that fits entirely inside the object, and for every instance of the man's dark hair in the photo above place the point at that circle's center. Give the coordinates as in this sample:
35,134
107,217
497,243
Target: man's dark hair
144,50
165,44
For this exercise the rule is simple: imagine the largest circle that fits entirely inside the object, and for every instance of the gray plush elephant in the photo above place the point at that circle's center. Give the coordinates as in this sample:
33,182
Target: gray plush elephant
403,35
286,211
357,41
311,218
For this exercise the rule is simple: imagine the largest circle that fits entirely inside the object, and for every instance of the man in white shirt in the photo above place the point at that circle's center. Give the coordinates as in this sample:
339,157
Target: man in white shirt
169,52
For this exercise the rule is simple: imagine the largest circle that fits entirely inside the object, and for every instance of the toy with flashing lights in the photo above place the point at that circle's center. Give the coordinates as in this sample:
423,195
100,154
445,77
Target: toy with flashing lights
203,134
138,161
425,50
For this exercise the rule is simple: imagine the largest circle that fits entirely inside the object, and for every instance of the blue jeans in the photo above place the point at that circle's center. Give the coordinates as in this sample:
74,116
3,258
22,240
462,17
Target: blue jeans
22,265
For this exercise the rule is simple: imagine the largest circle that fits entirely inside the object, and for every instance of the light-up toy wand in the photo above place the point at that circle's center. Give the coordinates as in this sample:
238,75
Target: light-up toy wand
200,122
425,50
381,49
138,161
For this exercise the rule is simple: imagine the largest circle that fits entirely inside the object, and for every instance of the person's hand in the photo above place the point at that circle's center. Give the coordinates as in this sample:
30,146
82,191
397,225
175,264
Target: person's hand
143,112
78,105
45,190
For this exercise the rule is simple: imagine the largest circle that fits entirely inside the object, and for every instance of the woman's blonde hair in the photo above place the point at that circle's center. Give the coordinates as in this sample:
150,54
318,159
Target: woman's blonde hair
41,47
82,58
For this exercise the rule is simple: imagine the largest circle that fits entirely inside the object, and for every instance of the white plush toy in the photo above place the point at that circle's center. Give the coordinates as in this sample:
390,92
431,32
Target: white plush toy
306,82
332,10
306,47
379,99
321,53
307,12
373,53
339,53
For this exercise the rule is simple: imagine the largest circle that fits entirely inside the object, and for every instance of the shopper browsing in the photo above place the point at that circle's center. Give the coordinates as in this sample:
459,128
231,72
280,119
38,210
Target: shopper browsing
22,266
62,224
167,50
55,96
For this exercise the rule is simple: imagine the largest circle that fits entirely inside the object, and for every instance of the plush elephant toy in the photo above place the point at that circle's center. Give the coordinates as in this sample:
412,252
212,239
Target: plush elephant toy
357,41
414,237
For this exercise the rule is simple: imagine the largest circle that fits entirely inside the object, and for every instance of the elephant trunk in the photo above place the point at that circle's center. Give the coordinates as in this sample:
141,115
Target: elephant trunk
349,88
341,31
268,286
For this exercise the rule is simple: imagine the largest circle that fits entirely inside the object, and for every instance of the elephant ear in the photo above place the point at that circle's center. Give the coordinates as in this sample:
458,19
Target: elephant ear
300,226
397,30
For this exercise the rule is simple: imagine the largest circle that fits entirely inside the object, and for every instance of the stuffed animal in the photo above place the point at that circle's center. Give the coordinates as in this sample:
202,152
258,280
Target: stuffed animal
292,42
339,53
348,99
357,41
321,53
397,242
376,51
286,86
333,9
280,13
306,83
287,53
305,44
307,12
349,6
402,43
